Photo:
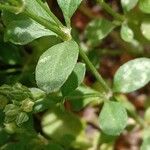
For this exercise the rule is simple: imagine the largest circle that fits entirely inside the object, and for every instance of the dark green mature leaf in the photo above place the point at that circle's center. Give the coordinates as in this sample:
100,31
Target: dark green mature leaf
128,4
55,66
113,118
132,75
98,29
145,26
126,33
68,8
144,5
20,29
74,80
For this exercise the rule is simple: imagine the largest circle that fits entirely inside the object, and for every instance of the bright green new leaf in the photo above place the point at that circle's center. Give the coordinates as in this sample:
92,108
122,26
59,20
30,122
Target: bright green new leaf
126,33
146,139
21,29
68,8
127,5
74,80
55,66
145,29
144,5
113,118
98,29
132,76
146,144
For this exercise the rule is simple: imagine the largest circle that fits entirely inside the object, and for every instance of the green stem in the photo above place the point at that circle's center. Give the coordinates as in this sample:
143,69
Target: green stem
96,73
111,11
50,13
83,96
49,25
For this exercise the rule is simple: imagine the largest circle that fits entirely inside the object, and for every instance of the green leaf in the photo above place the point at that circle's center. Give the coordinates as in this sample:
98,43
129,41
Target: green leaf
127,5
146,139
21,118
81,97
145,26
55,66
36,8
57,124
147,115
98,29
146,144
74,80
113,118
16,92
132,76
144,5
68,8
126,33
20,29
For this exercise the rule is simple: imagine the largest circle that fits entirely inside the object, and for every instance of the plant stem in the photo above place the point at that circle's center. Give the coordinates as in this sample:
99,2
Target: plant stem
50,13
49,25
95,73
111,11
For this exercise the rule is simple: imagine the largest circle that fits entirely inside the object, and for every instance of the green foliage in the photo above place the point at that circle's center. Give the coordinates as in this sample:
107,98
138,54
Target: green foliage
68,8
71,110
98,29
126,33
145,29
21,29
113,118
53,68
144,5
74,80
128,4
132,76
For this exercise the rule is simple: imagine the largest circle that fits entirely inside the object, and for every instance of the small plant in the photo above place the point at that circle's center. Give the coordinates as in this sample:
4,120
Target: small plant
60,72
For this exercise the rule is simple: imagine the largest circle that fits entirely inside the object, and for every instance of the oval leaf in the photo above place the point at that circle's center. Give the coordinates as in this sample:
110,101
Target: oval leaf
145,26
74,80
68,8
126,33
144,5
21,29
113,118
132,75
127,5
55,66
98,29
